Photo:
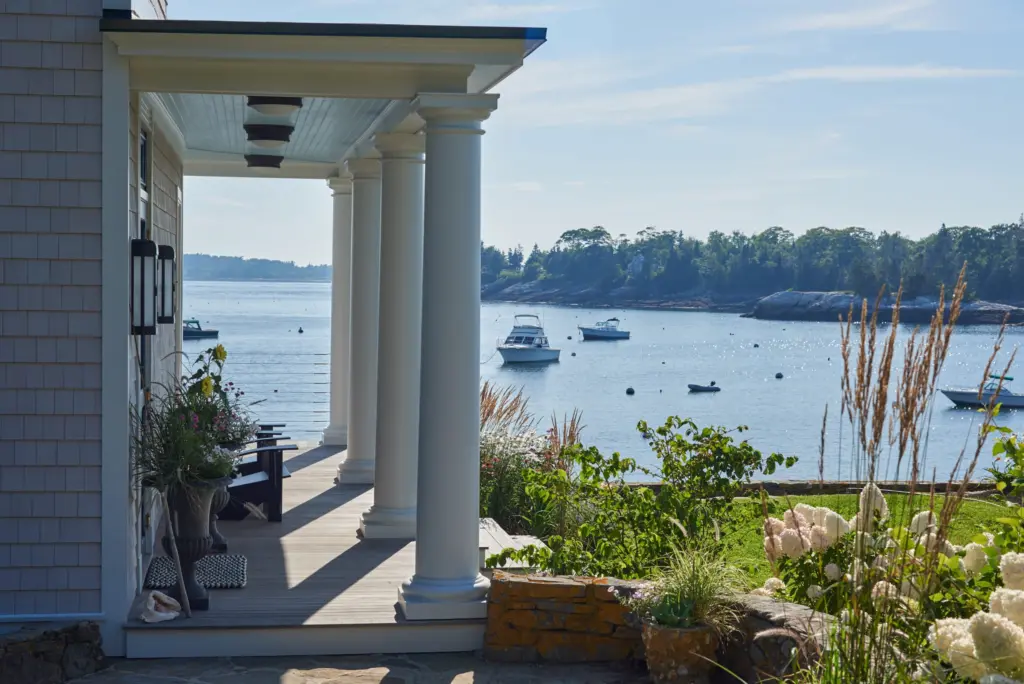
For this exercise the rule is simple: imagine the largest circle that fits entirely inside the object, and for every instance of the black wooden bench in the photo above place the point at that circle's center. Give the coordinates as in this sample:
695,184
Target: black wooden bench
260,479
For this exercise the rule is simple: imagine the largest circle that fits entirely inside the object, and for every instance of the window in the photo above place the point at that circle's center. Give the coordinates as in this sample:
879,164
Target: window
527,340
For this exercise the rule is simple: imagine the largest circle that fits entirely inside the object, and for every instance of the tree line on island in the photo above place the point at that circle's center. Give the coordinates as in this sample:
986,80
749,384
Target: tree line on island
658,263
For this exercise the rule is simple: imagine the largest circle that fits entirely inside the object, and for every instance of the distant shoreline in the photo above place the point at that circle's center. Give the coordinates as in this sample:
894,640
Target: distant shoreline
256,280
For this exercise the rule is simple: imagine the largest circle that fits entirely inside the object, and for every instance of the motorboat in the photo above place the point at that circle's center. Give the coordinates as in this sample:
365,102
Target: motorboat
604,330
705,388
996,386
527,343
191,330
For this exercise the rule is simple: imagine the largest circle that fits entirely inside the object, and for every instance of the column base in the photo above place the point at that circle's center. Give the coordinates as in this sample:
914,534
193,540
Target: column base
335,435
429,599
388,523
355,471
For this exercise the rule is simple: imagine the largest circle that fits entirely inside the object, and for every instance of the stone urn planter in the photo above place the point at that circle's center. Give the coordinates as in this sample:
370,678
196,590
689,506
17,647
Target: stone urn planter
221,498
190,516
683,656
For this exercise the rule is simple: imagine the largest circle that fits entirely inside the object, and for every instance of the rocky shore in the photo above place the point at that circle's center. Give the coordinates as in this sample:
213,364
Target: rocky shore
781,306
829,306
561,294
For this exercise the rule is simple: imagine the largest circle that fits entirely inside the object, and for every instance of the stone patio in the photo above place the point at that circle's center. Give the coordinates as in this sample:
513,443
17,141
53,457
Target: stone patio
413,669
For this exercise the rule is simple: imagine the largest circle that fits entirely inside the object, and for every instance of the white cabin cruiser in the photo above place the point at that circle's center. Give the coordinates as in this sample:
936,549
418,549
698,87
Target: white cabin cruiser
527,343
604,330
968,397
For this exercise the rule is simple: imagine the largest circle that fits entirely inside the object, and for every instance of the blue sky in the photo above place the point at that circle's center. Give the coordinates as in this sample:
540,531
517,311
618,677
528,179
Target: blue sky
697,115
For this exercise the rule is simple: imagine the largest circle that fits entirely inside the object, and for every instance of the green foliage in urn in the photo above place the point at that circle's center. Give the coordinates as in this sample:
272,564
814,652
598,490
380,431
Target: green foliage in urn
697,589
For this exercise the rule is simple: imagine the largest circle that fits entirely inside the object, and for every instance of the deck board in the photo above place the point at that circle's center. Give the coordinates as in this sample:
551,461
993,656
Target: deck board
311,569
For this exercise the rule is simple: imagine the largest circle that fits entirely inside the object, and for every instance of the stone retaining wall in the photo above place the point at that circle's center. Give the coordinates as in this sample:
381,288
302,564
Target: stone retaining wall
50,656
558,619
532,618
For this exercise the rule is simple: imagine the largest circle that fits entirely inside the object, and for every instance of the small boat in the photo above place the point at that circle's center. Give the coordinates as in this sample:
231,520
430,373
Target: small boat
969,398
604,330
705,388
527,343
191,330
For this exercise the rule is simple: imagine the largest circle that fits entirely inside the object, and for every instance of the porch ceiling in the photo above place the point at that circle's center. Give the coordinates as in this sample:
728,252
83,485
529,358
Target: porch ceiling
355,80
215,141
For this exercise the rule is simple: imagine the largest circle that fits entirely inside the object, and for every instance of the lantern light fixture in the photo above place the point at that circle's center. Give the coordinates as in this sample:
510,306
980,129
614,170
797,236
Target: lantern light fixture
166,286
263,161
268,136
274,106
143,278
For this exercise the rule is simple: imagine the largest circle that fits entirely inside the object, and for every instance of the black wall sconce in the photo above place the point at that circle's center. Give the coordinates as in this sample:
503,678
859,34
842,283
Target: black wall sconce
143,275
166,287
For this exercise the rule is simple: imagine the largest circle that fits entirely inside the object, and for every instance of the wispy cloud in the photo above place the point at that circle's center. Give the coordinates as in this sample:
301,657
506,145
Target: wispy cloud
498,11
894,15
551,106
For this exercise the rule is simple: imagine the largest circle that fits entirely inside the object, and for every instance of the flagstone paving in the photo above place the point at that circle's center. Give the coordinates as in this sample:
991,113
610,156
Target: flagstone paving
413,669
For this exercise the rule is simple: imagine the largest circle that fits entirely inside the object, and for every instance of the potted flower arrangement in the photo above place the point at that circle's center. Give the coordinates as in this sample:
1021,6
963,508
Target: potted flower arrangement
176,449
226,416
684,613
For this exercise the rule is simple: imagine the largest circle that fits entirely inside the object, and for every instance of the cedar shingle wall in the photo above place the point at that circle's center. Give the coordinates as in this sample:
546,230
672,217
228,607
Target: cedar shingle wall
50,225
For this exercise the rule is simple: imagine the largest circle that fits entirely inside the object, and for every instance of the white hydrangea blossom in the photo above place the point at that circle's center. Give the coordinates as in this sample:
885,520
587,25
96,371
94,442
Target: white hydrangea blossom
974,557
794,521
833,572
872,500
761,591
773,547
933,543
815,592
964,659
880,563
944,632
501,443
922,522
835,526
773,526
861,523
819,538
794,544
990,540
820,514
1009,603
998,643
1012,567
805,510
774,585
883,591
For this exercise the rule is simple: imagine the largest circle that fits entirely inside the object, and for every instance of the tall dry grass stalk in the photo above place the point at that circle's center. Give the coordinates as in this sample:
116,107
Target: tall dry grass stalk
889,428
505,410
563,434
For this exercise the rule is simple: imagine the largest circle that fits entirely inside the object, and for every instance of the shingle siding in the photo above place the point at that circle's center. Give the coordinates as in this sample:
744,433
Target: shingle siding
50,270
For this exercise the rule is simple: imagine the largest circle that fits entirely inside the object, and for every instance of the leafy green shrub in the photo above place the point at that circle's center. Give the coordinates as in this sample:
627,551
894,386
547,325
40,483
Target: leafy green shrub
595,522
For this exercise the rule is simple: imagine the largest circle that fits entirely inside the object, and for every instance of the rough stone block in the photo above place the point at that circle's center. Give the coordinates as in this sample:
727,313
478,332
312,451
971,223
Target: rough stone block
572,647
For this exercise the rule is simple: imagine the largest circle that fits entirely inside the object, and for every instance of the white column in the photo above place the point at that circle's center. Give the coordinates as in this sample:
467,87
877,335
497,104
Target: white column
393,514
358,466
447,583
336,432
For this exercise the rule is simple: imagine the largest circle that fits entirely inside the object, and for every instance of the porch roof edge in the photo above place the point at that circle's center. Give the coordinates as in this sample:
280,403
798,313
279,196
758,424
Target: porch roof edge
116,22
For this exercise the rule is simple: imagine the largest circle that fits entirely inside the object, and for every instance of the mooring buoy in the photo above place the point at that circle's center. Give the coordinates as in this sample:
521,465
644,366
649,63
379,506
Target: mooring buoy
778,376
630,391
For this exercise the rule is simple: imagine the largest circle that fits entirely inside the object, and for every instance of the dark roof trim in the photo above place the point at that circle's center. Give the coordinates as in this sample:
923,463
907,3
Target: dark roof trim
114,22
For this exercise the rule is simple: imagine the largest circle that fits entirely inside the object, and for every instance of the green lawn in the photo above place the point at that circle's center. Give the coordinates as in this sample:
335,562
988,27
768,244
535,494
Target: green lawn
744,541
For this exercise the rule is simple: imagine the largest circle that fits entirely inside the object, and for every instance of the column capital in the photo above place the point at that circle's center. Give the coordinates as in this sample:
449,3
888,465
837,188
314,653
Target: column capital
450,111
341,185
364,168
400,145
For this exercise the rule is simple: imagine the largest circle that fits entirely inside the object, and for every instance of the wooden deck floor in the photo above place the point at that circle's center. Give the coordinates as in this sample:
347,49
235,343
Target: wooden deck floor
311,569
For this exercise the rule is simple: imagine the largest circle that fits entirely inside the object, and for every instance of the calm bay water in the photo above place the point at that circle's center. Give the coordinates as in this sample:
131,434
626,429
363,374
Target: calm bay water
259,324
